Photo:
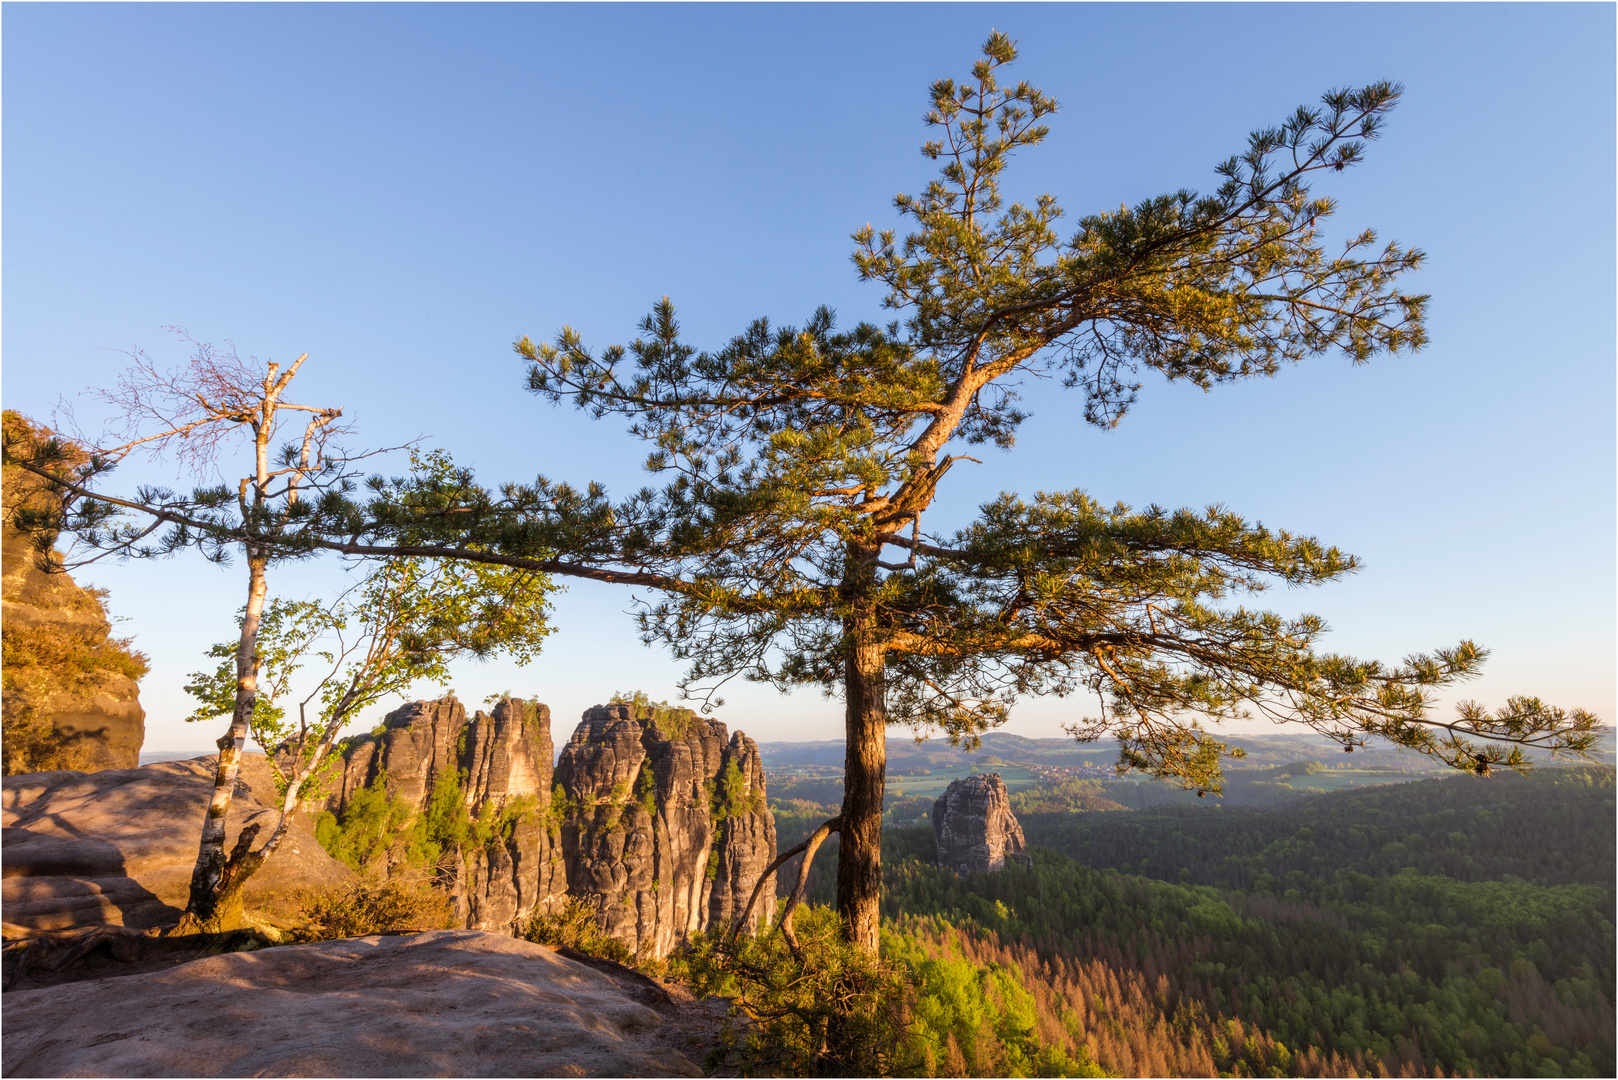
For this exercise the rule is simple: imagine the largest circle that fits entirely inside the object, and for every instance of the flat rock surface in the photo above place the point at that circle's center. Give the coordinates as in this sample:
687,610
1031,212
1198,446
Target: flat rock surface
443,1003
117,846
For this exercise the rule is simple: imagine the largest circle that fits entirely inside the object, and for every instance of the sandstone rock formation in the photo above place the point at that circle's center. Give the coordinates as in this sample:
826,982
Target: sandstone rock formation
63,669
661,825
445,1003
501,762
118,846
974,828
665,827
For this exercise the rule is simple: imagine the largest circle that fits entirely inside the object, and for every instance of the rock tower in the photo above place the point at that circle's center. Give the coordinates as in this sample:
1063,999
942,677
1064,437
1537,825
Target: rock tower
974,828
498,758
666,827
661,825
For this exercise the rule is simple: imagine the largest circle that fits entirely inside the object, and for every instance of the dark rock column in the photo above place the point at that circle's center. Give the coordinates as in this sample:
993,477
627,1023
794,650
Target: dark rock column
747,841
518,872
422,742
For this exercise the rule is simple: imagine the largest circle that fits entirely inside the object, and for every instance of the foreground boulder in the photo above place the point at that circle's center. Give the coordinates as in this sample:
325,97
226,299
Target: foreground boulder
974,828
445,1003
118,846
666,826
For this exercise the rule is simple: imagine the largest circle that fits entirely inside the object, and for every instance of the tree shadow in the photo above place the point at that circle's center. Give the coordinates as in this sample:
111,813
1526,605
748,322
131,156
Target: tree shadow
70,878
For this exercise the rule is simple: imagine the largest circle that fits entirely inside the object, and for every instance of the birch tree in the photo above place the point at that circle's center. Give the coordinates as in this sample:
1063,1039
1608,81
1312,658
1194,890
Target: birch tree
402,624
297,498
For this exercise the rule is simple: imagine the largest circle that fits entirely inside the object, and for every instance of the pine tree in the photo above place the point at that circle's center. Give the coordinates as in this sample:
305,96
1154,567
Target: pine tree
801,456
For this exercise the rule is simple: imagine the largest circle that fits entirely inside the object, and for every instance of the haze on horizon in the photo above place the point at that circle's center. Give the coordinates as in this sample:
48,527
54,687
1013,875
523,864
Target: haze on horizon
402,191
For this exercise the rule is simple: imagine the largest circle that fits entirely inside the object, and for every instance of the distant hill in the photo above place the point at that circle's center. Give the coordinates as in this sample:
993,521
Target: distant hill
906,755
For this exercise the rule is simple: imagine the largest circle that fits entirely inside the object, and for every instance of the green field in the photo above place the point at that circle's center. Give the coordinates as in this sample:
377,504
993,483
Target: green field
1344,779
933,784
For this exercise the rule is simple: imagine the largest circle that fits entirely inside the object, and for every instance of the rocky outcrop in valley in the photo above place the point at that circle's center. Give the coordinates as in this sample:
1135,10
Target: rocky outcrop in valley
974,828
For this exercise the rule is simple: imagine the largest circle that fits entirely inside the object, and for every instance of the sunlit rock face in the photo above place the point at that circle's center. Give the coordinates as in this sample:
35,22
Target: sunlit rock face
974,828
665,826
661,825
98,711
501,762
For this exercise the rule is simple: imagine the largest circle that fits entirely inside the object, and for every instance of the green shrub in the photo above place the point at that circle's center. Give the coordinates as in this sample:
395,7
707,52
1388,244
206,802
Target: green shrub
377,827
576,926
841,1012
444,825
558,810
372,907
646,790
730,796
675,720
512,813
975,1018
369,828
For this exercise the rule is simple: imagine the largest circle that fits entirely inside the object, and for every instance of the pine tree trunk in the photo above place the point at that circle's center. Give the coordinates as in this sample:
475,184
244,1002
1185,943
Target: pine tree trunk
215,904
859,857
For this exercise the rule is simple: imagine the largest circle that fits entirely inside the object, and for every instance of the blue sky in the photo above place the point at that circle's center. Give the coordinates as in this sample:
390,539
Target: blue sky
402,191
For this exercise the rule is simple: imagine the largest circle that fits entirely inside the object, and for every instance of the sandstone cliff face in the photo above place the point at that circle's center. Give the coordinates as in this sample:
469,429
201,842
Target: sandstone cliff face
665,826
502,762
63,669
974,828
661,825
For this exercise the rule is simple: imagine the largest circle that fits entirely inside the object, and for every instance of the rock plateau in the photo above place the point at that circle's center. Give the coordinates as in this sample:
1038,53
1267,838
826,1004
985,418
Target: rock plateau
443,1003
